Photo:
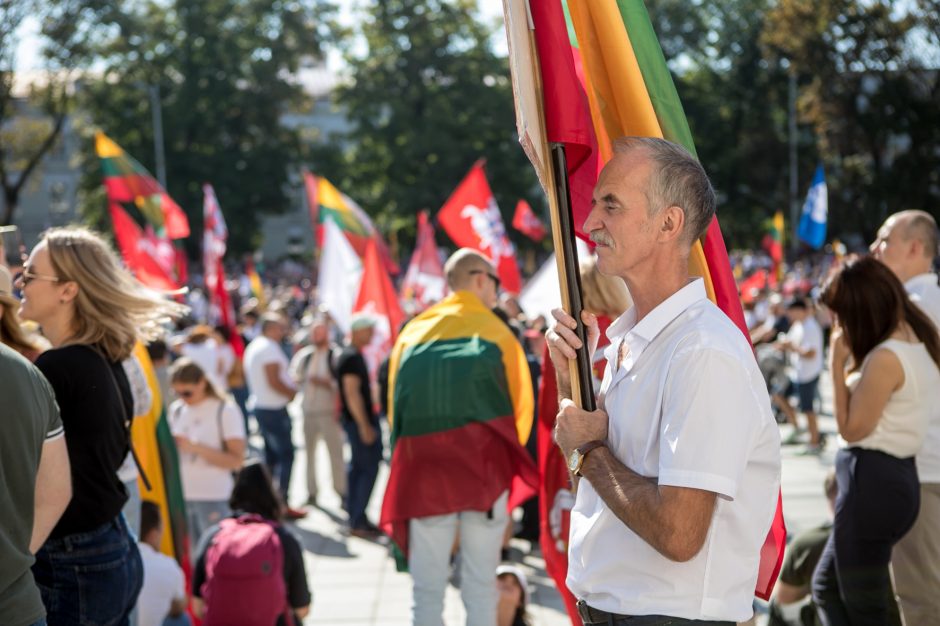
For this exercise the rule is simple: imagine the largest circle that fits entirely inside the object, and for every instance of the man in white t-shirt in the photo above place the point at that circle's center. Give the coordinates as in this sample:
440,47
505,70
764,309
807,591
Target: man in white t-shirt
163,594
907,244
680,467
804,346
268,377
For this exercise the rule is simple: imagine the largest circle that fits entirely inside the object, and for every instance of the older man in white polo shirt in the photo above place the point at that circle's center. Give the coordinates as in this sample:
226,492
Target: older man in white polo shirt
680,469
907,244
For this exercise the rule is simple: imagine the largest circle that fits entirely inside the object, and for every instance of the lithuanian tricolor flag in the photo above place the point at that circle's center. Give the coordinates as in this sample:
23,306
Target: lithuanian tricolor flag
327,202
156,451
602,75
461,408
127,181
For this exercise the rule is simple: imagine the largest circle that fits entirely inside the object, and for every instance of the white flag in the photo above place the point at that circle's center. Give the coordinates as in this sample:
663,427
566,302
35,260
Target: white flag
339,276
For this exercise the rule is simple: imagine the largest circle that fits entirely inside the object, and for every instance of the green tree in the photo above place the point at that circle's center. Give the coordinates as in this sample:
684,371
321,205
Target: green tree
871,91
225,70
427,97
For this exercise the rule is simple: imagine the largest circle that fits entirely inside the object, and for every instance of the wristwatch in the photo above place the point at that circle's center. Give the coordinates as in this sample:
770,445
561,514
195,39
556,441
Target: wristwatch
576,460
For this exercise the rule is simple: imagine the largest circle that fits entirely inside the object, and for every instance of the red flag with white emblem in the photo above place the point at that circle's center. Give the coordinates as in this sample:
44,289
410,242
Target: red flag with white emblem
424,283
472,219
527,223
139,252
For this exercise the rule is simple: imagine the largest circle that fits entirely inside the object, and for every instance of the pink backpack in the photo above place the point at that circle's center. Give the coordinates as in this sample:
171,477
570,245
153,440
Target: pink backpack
245,574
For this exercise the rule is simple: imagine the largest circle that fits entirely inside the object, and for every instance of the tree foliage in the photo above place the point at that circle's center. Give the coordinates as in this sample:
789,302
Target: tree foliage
871,91
224,70
426,98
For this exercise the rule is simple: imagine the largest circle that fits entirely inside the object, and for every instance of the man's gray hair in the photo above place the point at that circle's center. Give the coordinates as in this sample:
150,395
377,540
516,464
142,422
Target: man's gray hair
678,179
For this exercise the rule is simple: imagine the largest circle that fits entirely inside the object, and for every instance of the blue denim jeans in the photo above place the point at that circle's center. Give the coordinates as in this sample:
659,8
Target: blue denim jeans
278,447
90,578
363,469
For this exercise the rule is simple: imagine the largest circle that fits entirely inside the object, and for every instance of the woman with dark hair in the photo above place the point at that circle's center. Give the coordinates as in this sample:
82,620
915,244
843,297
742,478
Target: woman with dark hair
884,356
234,557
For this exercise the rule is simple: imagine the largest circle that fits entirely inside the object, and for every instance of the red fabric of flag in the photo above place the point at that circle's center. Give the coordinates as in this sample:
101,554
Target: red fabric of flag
378,298
567,112
527,223
472,219
137,251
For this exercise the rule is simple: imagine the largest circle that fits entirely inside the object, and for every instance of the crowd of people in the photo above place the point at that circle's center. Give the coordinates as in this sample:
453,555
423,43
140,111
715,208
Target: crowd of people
675,474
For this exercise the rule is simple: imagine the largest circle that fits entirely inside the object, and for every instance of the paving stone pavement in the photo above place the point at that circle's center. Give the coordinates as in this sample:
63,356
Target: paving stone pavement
355,583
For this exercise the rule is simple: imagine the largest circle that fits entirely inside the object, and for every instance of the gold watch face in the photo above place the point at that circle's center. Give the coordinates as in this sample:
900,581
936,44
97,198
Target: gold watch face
574,461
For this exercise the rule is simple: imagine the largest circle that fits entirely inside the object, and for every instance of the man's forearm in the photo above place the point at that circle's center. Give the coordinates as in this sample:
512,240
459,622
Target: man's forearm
358,410
638,502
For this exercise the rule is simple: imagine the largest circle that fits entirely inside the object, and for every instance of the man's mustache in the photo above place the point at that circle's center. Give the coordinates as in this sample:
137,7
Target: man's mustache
601,237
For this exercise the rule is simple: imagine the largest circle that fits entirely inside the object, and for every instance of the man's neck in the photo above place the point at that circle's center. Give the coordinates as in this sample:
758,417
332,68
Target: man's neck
654,288
913,272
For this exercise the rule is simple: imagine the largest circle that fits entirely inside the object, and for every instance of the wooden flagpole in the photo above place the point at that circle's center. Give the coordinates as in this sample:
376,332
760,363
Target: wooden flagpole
550,167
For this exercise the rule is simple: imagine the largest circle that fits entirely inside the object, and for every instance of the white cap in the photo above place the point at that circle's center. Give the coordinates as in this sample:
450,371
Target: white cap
361,321
520,576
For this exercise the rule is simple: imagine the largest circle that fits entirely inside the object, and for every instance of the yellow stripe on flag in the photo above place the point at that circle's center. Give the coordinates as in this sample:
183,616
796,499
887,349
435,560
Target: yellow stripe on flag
105,147
620,103
329,196
144,439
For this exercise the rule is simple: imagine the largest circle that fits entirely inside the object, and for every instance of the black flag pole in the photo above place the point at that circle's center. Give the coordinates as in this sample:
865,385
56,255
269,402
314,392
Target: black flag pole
569,276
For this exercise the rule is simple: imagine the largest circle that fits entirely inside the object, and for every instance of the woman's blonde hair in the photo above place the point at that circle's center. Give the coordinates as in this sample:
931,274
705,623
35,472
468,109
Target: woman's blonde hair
112,309
11,331
602,295
185,370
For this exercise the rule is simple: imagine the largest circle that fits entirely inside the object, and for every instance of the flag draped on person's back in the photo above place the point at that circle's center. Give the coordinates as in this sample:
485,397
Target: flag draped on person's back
603,76
460,409
472,219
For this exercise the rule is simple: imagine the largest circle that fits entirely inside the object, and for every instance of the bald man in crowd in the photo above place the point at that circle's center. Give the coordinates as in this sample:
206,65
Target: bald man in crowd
907,244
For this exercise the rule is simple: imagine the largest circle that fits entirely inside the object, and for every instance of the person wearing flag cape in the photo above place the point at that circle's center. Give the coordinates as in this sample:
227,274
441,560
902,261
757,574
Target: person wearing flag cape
680,466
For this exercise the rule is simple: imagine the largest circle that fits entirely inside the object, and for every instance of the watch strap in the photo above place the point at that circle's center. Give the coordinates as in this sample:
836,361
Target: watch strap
584,450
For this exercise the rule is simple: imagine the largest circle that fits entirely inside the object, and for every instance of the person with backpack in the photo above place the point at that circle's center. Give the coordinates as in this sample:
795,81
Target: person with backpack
312,369
210,435
250,569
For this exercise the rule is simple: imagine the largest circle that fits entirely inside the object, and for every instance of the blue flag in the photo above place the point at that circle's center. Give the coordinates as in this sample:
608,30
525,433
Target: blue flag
812,228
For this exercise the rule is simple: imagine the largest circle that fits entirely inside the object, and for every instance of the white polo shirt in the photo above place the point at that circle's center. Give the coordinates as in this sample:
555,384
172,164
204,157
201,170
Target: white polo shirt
806,335
925,293
688,406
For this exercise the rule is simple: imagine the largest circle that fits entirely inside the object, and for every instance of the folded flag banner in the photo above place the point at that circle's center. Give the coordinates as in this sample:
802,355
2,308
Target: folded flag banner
214,244
773,243
328,202
603,76
378,298
460,394
815,212
472,219
424,282
527,223
254,282
126,181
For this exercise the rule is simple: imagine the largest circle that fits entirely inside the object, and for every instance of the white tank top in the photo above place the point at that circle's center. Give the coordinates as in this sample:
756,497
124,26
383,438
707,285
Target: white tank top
902,427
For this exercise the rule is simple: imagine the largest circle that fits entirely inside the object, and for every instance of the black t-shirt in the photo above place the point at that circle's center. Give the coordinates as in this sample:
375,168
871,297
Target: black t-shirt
295,575
94,417
351,362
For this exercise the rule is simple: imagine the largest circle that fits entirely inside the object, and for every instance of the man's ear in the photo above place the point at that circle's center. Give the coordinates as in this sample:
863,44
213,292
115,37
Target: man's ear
671,223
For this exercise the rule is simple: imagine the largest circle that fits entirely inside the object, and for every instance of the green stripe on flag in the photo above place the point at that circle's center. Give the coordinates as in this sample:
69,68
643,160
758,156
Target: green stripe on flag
344,219
656,76
448,384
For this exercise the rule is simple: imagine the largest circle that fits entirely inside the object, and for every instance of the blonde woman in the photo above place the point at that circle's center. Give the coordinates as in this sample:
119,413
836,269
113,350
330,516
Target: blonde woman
11,333
93,312
210,435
